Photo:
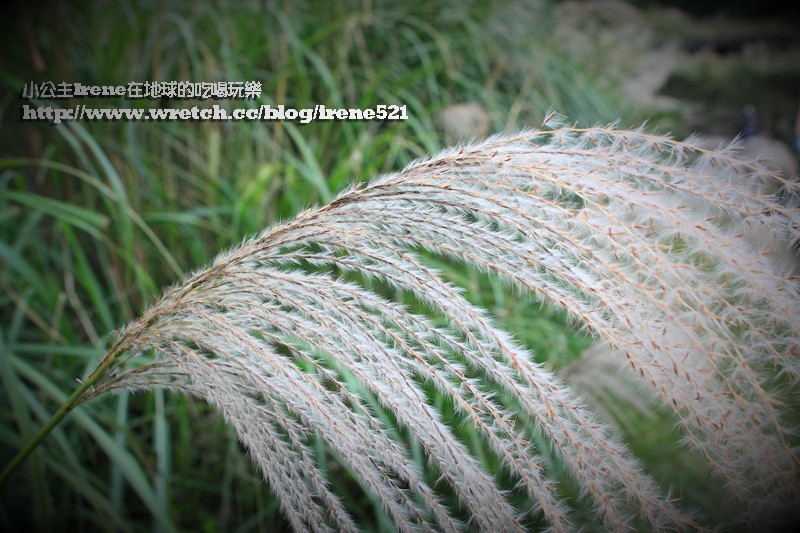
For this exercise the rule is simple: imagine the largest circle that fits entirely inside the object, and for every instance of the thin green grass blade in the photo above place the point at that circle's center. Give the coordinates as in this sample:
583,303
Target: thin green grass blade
127,463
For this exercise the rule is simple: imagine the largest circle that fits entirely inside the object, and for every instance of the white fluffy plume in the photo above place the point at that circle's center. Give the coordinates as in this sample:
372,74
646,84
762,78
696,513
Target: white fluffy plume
637,237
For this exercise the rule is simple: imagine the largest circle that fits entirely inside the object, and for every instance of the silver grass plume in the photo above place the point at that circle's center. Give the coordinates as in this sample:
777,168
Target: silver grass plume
637,237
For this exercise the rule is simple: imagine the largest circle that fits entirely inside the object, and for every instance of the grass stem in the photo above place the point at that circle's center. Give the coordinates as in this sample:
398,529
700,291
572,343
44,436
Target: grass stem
59,415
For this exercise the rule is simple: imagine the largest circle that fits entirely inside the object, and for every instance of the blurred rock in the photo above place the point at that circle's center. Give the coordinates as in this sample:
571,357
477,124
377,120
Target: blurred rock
776,153
464,122
765,239
772,152
606,381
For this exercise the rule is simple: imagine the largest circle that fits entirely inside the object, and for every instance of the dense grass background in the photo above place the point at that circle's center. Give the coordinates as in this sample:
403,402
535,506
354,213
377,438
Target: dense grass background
97,218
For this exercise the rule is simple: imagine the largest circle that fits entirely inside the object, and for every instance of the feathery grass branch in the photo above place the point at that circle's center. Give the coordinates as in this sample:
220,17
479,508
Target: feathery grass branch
639,238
